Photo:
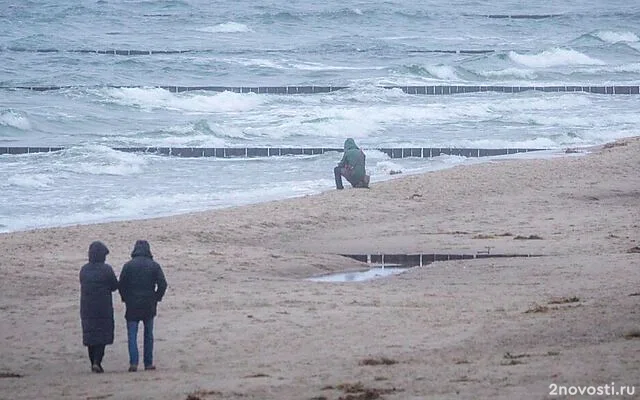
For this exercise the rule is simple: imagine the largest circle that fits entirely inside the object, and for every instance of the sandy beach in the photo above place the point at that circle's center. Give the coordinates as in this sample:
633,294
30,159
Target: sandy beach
241,321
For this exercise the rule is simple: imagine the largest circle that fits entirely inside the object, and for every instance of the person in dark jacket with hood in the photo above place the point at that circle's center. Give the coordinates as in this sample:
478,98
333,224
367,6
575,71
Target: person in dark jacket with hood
352,167
97,282
142,286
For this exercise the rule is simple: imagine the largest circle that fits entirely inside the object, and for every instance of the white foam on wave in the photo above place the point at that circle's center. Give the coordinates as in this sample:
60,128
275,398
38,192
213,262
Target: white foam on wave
510,72
378,114
554,57
190,102
336,122
568,120
359,118
311,66
147,204
101,160
386,167
98,169
13,119
227,27
186,141
355,112
399,37
258,62
508,143
369,118
623,68
196,134
286,64
25,222
569,136
425,74
35,181
606,135
380,165
445,72
168,140
616,37
176,203
526,105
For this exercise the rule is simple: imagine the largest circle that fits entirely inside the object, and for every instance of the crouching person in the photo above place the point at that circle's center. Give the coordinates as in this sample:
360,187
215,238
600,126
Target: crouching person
352,167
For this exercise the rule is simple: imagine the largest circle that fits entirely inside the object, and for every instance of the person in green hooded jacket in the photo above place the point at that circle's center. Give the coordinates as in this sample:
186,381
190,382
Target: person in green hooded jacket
352,167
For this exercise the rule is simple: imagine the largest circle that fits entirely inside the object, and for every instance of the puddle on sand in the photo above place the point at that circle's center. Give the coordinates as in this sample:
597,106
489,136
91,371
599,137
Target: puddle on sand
359,276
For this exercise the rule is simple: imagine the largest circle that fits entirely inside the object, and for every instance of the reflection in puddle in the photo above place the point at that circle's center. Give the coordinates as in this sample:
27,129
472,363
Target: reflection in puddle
373,273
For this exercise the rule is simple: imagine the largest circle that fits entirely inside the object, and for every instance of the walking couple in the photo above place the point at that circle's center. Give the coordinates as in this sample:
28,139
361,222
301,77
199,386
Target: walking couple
141,285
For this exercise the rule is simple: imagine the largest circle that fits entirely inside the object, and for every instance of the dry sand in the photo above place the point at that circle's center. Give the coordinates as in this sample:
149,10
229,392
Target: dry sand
240,321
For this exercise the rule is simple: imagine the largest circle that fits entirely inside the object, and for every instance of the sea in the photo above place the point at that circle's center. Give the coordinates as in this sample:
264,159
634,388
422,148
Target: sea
114,59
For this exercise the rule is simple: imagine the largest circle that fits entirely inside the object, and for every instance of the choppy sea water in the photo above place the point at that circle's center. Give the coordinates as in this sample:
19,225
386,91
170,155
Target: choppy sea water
362,45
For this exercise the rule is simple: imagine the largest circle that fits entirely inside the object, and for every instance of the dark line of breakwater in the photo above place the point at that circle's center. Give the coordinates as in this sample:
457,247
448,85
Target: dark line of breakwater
424,90
523,16
420,259
231,152
134,52
478,51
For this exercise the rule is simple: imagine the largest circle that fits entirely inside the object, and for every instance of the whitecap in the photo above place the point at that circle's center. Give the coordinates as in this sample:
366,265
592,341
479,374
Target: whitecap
509,72
615,37
444,72
623,68
554,57
227,27
35,181
309,66
195,102
101,160
257,62
13,119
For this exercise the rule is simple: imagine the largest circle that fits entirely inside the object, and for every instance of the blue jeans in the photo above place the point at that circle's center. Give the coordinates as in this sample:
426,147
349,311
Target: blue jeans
132,333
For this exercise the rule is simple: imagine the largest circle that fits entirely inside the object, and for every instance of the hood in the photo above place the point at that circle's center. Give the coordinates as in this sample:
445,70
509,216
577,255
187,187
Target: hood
141,249
98,252
350,144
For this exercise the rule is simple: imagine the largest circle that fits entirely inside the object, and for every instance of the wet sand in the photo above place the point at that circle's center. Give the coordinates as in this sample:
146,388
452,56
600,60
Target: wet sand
241,321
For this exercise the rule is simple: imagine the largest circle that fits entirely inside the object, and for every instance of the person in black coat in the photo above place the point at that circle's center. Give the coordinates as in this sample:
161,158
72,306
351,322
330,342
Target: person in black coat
97,281
142,285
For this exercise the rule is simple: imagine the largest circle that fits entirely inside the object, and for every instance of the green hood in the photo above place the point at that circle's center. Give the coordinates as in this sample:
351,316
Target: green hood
350,144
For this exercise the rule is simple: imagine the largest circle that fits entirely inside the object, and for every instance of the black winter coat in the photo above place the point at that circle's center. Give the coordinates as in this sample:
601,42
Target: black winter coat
142,283
97,281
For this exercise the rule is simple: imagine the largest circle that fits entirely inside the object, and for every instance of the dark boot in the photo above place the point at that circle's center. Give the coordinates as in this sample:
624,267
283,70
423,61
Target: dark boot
98,355
365,182
90,350
337,172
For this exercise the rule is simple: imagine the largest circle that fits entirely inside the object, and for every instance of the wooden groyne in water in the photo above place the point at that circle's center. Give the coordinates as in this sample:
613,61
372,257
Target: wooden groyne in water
420,259
420,89
231,152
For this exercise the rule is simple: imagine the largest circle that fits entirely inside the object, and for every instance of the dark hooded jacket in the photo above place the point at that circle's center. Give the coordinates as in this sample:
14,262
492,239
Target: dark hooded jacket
353,161
142,283
97,281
